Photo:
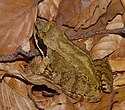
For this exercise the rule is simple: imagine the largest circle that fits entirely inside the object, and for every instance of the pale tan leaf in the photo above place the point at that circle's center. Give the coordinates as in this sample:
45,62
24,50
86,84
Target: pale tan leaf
121,106
12,70
120,81
123,3
17,85
117,59
104,48
48,9
2,73
117,64
16,23
109,43
11,100
119,98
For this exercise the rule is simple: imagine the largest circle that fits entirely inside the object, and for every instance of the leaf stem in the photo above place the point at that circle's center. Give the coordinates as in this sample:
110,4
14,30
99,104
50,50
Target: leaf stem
118,31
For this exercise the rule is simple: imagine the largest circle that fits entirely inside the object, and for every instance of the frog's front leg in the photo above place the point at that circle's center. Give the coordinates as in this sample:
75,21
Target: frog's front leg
39,64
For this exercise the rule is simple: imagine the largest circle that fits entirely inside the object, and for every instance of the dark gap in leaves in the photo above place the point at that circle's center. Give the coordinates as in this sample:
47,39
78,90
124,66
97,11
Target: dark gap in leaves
42,18
47,92
69,26
39,1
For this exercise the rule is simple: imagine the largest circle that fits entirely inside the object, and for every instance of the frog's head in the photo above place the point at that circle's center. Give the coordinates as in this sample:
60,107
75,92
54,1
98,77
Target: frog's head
49,32
43,25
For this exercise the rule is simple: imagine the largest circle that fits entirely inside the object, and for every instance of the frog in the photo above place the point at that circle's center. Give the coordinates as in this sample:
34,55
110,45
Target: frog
69,67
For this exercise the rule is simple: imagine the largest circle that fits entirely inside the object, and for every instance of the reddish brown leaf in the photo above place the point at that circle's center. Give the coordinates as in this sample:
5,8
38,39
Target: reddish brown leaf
16,23
48,9
113,9
68,9
90,16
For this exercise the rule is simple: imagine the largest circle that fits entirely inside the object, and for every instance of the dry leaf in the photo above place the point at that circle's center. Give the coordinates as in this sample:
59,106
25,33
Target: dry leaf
48,9
123,3
119,99
120,81
101,105
104,104
117,64
17,85
104,10
121,106
68,9
113,9
2,73
11,100
117,59
13,78
79,13
16,23
52,103
109,43
90,16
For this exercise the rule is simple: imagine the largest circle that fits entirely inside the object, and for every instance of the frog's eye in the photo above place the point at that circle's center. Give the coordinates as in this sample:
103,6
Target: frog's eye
42,25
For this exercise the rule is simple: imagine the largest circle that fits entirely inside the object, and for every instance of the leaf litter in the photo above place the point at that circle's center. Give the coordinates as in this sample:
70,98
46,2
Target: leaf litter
16,30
